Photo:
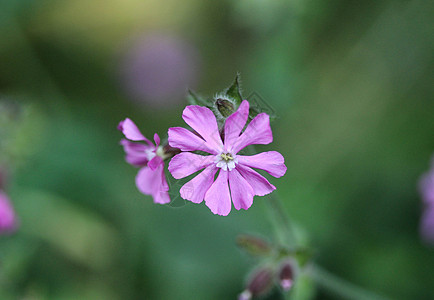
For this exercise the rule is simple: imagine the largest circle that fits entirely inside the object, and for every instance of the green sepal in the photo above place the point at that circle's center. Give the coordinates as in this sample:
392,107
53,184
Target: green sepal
302,255
234,91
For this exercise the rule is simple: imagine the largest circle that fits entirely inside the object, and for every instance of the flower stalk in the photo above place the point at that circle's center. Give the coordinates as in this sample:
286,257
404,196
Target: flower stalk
340,287
322,277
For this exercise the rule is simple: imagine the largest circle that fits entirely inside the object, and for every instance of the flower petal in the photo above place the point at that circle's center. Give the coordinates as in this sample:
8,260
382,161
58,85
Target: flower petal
185,140
156,140
186,163
145,180
241,191
155,162
271,161
8,222
131,132
235,123
259,183
195,189
203,121
160,191
135,153
153,182
218,198
257,132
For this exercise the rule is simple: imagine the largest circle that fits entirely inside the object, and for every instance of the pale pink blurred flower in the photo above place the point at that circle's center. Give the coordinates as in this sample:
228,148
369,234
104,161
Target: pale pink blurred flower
236,179
8,221
427,225
426,187
157,69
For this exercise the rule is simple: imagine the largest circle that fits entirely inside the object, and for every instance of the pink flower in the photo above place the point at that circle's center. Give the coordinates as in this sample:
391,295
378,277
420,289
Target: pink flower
427,225
8,222
426,188
157,68
151,179
236,179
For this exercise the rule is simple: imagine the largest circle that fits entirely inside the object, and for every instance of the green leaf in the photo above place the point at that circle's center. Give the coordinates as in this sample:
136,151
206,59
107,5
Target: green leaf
77,233
195,99
234,91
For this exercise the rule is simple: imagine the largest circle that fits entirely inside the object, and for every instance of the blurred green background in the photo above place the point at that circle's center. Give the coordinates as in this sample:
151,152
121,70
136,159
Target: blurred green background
350,82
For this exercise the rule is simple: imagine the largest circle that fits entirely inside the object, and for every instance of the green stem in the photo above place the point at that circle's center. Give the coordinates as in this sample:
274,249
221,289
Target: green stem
335,285
281,221
339,287
278,216
323,278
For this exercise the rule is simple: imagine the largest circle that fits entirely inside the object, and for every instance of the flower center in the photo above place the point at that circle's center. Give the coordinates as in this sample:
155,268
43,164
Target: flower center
226,161
227,157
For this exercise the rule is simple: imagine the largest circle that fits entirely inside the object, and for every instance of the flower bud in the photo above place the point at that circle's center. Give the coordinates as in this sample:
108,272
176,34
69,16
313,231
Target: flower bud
170,151
253,245
225,107
286,276
8,222
259,283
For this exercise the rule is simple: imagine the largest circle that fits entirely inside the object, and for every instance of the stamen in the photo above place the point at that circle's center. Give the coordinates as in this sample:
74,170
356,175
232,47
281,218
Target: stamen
227,157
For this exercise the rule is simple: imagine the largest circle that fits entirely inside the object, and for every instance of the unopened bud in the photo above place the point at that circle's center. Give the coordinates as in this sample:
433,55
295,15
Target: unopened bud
253,245
225,107
170,151
259,283
286,276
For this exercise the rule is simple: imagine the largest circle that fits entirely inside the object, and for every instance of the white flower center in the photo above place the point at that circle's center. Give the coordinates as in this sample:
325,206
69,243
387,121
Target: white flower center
150,154
226,161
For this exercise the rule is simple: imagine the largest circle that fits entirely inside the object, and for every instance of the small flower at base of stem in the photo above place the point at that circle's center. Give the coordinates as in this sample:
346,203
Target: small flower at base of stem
286,275
260,283
245,295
